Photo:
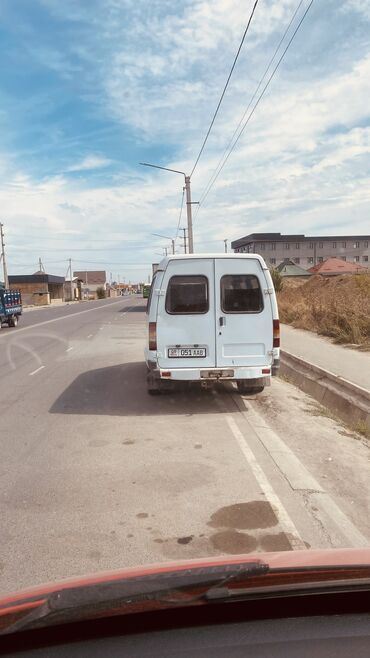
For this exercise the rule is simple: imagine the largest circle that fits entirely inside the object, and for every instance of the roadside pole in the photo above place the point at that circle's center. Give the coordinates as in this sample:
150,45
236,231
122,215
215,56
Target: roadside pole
189,214
70,274
184,229
6,279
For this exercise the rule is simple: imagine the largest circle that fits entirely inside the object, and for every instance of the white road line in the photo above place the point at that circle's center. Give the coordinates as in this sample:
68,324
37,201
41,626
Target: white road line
69,349
285,521
61,317
35,371
299,477
90,336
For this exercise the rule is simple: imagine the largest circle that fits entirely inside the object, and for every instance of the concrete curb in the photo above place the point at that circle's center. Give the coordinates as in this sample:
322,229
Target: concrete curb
348,401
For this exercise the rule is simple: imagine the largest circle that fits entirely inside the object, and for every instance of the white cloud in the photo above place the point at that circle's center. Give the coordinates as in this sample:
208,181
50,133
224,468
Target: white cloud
90,162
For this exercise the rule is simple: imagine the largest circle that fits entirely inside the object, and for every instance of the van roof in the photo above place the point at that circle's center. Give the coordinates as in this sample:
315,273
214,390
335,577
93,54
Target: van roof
162,265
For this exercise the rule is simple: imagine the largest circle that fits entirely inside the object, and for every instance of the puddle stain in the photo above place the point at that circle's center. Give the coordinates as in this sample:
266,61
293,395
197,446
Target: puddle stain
278,542
233,542
185,540
129,442
244,516
142,515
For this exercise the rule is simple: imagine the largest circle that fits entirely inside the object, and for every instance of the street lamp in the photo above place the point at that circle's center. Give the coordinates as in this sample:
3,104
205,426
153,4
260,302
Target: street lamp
188,200
167,238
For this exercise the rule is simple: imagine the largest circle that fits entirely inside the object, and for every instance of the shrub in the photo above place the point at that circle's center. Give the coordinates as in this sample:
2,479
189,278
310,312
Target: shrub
101,293
277,280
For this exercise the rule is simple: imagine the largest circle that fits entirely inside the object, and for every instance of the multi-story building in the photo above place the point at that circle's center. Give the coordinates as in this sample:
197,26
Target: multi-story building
303,250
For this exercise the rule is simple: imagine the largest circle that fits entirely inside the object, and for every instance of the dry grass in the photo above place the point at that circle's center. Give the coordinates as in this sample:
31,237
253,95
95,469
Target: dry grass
338,307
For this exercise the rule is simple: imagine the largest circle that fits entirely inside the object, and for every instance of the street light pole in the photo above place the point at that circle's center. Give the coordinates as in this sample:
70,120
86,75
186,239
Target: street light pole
167,238
225,241
188,201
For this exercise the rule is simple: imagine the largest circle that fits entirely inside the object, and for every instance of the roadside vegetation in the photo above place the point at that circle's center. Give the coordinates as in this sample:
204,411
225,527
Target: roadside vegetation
338,307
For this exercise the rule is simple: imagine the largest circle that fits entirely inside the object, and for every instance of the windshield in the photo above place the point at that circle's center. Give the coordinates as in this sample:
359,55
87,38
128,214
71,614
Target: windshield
184,283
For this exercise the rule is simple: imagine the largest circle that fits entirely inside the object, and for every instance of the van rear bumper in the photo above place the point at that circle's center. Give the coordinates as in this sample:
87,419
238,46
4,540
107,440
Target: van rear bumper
214,374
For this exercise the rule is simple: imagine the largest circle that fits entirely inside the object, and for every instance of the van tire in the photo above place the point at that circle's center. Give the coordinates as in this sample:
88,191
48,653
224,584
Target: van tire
13,321
153,384
245,388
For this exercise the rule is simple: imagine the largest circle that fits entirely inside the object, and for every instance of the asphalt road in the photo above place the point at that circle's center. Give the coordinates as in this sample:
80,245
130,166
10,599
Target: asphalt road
95,474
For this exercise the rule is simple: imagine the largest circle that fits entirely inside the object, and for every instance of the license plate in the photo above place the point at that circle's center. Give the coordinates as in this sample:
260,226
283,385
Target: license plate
216,374
186,352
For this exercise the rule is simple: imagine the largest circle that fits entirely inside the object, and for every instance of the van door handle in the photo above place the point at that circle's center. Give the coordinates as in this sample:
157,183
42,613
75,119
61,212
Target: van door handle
222,321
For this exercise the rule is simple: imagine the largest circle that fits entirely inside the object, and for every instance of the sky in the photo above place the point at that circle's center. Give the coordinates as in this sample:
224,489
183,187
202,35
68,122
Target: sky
89,89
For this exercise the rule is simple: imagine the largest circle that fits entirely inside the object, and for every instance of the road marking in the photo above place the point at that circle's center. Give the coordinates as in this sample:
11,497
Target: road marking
62,317
90,336
69,349
300,478
290,466
35,371
285,521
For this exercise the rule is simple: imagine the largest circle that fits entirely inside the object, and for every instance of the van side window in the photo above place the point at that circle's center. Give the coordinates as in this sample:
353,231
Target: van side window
241,293
187,295
150,294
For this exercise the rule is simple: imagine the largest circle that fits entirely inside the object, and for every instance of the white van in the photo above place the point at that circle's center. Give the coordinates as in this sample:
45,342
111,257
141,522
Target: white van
212,317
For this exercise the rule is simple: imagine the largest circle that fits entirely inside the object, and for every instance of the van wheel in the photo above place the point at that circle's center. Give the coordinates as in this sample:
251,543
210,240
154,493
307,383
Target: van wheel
245,388
258,389
153,384
13,322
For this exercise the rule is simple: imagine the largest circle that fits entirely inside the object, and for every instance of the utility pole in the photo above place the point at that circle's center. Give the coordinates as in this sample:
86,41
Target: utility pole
70,276
225,242
184,229
189,214
6,279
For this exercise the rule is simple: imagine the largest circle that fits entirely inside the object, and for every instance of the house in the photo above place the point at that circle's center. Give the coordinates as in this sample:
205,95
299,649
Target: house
289,269
333,266
38,288
91,281
76,289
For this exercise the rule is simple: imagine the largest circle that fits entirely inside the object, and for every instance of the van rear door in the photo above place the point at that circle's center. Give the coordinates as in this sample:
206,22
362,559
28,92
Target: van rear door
244,327
185,315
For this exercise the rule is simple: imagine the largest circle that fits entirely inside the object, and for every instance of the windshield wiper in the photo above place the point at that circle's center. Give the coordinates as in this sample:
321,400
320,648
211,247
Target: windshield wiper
168,589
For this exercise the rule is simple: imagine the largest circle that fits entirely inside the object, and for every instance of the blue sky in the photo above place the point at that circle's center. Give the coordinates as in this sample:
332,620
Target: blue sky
90,89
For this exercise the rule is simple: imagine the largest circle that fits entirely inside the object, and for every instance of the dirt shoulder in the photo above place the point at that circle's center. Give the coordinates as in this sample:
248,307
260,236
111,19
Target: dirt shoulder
338,307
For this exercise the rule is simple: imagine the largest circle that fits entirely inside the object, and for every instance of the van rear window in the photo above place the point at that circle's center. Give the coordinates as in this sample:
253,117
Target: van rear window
241,293
187,295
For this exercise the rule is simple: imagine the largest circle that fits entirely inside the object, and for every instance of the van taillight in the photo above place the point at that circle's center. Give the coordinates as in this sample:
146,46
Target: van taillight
152,335
276,333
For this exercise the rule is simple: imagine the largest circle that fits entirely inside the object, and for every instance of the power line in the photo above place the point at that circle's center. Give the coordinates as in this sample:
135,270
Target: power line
225,159
209,184
225,87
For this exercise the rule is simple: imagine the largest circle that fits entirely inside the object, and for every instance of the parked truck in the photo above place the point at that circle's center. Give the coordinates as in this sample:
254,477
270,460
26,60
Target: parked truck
10,307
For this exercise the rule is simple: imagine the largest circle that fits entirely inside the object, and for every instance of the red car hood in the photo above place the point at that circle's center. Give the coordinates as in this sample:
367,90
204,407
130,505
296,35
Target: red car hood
25,600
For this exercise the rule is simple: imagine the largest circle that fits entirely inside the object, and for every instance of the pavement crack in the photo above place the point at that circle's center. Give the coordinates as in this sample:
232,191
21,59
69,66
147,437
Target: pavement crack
314,512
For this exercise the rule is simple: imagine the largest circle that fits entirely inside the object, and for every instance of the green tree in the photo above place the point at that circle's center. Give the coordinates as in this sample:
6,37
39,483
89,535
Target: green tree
101,293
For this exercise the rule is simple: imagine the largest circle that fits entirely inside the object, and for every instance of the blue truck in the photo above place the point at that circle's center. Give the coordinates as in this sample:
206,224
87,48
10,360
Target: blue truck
10,307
